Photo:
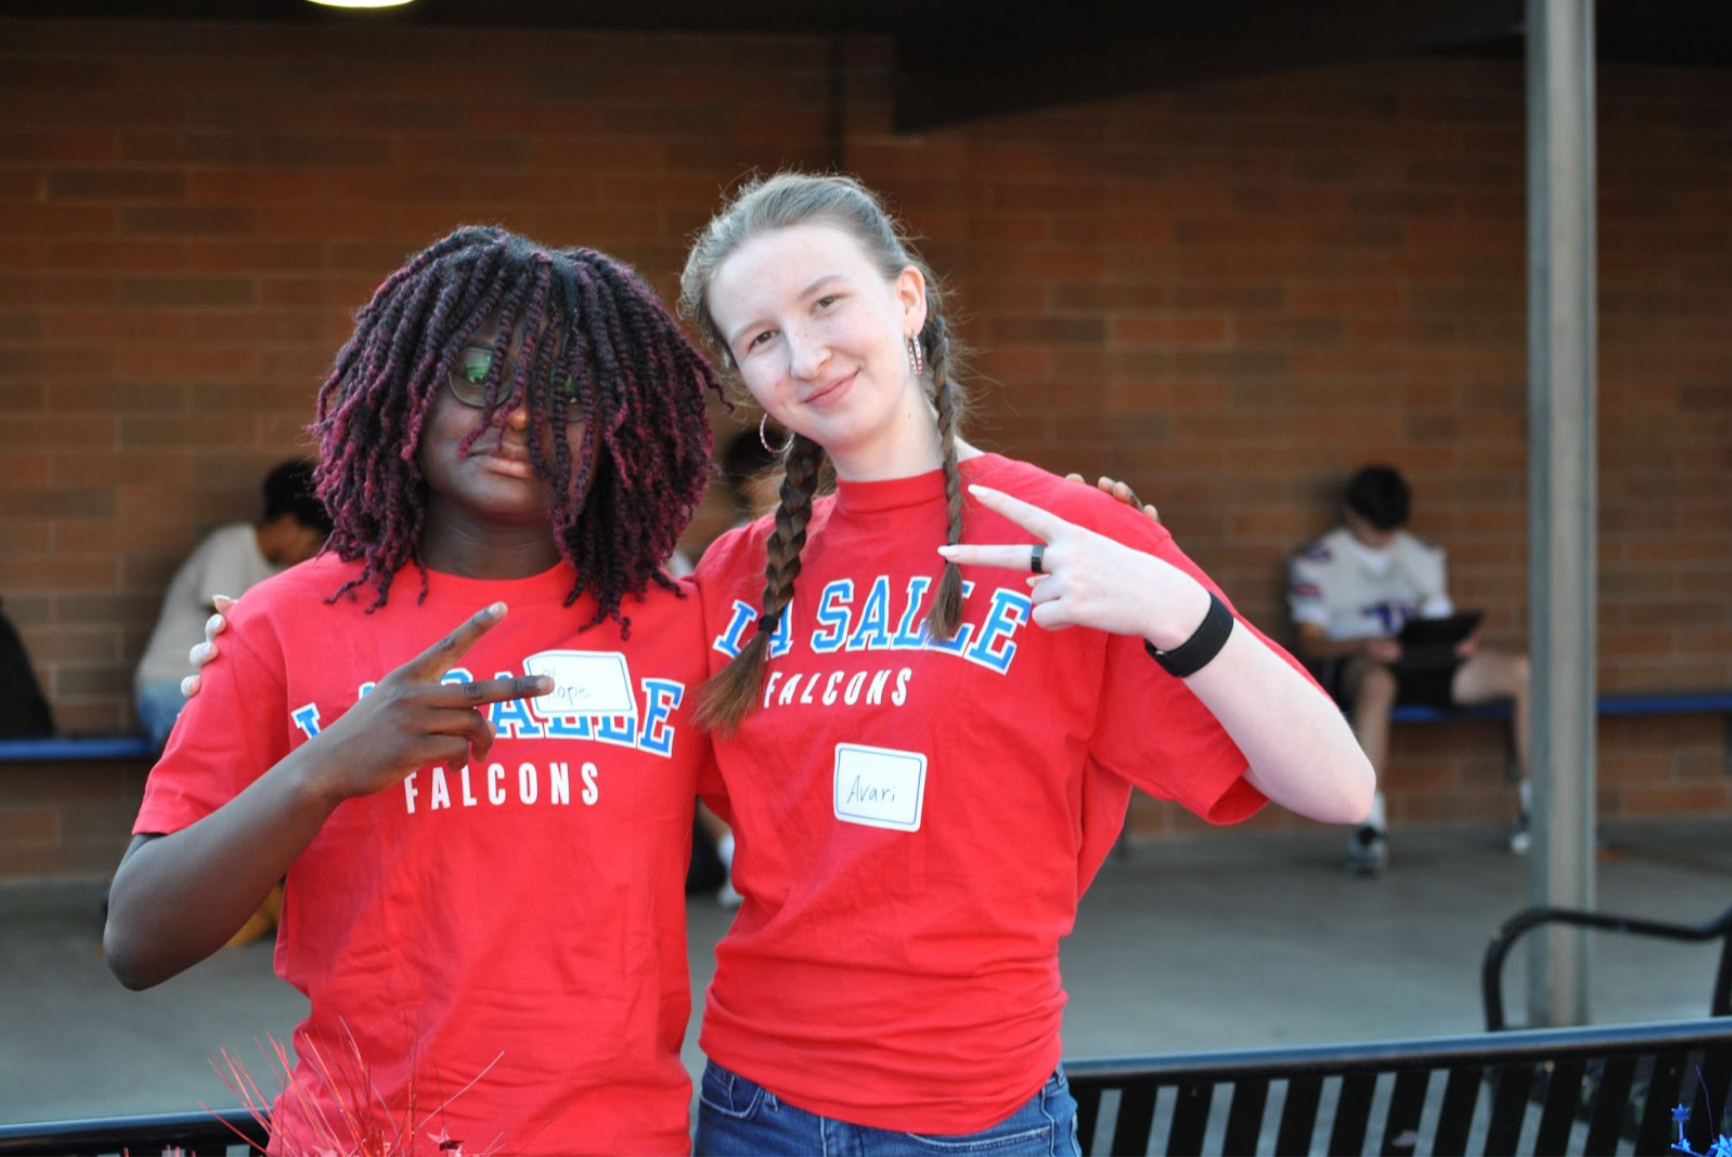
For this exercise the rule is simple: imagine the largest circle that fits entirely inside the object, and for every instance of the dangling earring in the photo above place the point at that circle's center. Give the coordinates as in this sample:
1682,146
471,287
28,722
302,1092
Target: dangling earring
915,357
764,439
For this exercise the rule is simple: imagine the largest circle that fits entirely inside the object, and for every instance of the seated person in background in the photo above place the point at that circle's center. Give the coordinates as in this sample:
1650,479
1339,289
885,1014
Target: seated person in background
752,472
229,560
1349,593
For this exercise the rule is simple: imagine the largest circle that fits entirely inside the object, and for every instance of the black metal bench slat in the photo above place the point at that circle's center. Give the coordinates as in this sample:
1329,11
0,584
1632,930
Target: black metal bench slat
1406,1108
1136,1119
1190,1119
1611,1103
1656,1130
1713,1113
1352,1107
1088,1113
1509,1107
1245,1117
1299,1115
1455,1117
1563,1105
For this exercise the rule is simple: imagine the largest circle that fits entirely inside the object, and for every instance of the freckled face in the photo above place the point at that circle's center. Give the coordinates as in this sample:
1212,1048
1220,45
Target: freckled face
820,337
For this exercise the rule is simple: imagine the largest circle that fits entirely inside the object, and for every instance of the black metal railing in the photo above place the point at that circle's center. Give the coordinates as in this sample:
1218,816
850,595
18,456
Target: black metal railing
1525,921
1594,1090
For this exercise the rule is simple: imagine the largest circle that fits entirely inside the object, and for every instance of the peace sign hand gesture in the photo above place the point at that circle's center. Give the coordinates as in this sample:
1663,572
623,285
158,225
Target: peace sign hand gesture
410,718
1085,579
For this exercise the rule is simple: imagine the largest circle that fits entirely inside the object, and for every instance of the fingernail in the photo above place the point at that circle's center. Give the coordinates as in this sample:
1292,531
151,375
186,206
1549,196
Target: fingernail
497,610
947,551
546,684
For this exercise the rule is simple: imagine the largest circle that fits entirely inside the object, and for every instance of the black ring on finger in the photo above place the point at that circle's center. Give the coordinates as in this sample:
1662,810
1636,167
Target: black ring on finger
1035,556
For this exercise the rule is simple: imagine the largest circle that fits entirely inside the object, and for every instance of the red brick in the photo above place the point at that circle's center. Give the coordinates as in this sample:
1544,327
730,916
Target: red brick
325,222
23,468
116,185
39,432
101,399
48,148
189,363
187,220
113,468
51,571
27,536
168,292
45,220
118,256
58,362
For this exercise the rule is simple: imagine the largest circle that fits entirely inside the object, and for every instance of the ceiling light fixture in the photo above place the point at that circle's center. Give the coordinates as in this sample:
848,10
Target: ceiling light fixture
362,3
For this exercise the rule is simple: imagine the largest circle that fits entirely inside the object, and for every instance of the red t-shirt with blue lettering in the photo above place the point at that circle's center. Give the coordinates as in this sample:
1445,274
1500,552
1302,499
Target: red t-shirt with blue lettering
502,945
915,821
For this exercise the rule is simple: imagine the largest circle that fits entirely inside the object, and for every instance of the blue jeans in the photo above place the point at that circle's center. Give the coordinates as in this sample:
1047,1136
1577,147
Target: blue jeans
159,705
739,1118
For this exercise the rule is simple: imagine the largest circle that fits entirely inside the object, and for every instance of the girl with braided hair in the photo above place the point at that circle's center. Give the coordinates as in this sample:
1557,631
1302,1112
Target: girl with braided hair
483,832
922,771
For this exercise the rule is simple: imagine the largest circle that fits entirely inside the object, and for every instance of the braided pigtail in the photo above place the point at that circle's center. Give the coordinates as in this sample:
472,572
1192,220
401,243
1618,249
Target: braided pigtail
730,696
946,612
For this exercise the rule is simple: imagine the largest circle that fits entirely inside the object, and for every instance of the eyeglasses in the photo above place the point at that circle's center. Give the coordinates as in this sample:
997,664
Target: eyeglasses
468,382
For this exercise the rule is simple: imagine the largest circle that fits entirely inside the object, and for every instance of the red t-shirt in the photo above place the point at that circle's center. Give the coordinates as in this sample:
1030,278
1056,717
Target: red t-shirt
520,924
916,823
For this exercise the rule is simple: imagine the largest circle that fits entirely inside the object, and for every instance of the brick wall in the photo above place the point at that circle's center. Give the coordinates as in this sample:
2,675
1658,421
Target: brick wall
1230,295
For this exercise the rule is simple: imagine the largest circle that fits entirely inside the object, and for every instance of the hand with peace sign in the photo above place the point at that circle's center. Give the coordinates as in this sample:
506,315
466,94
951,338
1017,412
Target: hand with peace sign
1300,751
410,718
1084,579
177,898
417,718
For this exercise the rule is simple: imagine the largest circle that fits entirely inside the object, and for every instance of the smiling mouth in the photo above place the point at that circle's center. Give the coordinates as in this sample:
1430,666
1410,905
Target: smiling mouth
828,389
513,463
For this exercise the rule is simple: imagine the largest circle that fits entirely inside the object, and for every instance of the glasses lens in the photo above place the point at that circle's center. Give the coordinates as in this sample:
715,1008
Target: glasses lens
469,375
573,404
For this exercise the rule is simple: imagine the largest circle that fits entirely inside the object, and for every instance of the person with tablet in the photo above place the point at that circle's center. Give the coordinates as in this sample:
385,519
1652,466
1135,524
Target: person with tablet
1372,612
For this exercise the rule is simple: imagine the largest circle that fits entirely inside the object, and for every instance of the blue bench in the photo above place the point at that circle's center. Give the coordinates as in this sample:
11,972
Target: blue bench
1624,703
68,748
1610,705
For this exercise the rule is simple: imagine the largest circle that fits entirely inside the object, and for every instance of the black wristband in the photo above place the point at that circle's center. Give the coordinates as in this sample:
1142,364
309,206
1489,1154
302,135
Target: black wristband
1205,642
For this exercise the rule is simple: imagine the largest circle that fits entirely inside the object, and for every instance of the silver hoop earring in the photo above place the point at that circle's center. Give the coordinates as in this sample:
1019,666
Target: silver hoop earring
764,439
915,358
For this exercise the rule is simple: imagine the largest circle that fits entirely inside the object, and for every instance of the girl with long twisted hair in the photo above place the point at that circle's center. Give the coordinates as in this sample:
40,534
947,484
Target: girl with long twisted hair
924,773
483,832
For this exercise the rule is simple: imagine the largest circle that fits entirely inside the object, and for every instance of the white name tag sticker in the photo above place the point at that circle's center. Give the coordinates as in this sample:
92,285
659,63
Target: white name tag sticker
879,787
585,684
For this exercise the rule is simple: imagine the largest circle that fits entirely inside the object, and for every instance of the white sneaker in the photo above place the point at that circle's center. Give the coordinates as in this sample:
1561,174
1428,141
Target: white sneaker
1367,851
727,897
1520,838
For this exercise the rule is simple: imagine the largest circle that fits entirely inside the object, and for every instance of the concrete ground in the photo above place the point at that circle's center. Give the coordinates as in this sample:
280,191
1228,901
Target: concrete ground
1228,942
